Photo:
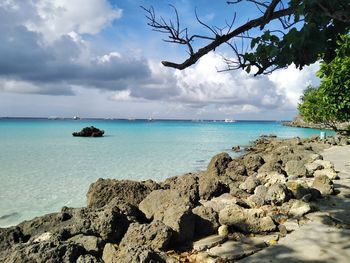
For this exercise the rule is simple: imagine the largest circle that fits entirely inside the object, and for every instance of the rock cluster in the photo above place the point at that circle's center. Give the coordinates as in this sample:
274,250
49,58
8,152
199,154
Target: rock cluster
89,132
245,203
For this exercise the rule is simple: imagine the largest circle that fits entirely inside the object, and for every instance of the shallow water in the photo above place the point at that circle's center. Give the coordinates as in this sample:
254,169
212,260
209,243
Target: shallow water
43,167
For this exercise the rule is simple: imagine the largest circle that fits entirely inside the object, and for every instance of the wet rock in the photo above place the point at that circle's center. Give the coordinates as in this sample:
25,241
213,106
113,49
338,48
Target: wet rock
246,220
155,235
299,208
218,164
296,168
323,184
250,184
236,148
173,210
206,221
277,194
104,190
89,132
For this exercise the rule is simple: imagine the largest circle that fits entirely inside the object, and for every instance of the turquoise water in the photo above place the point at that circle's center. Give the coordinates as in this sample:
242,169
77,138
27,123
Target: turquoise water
43,167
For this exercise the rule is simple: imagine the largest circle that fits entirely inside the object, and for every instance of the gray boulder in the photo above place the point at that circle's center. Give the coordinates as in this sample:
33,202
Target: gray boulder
218,164
155,235
295,168
250,184
206,221
253,162
104,190
173,210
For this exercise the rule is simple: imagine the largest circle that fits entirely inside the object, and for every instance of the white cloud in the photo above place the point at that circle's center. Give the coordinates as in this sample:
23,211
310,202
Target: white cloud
56,18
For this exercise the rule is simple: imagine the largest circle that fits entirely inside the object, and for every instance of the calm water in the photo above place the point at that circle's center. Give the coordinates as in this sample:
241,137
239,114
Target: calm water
42,167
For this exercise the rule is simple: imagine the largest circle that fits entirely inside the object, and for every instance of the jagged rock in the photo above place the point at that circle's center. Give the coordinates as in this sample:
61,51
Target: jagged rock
186,185
272,165
250,184
89,132
329,172
173,210
296,168
312,168
313,157
272,178
138,254
246,220
155,235
206,221
299,208
277,194
298,189
218,164
236,169
43,252
323,184
253,163
109,224
259,196
210,186
104,190
220,202
91,244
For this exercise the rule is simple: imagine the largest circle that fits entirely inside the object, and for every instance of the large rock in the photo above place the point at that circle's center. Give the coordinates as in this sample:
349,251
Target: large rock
143,254
89,132
210,186
259,196
295,168
323,184
329,172
236,169
277,194
250,184
155,235
271,178
173,210
187,186
44,252
218,164
206,221
299,208
91,244
253,162
220,202
109,224
246,220
104,190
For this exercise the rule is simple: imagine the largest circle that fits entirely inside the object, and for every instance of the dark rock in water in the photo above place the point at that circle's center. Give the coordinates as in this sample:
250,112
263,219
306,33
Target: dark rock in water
218,164
236,148
89,132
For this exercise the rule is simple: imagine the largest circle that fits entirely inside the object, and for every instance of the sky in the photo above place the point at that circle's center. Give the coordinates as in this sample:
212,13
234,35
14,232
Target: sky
99,59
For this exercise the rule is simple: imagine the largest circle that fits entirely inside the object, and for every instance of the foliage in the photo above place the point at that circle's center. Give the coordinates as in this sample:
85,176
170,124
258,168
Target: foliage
330,103
308,30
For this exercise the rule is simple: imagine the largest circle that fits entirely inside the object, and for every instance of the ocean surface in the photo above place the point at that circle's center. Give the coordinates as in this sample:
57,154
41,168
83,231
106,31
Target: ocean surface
43,167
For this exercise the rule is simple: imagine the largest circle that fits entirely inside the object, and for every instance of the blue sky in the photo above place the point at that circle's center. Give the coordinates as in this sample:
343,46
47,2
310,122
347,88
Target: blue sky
98,58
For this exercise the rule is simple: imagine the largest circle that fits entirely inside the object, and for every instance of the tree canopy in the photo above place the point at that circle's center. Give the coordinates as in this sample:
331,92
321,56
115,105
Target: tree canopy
306,31
330,103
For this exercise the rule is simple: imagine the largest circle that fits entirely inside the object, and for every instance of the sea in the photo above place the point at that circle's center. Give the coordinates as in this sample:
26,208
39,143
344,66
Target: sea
43,167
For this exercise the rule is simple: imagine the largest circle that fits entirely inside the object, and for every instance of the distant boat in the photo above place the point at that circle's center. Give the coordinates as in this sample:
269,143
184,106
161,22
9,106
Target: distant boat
229,121
76,118
53,118
150,119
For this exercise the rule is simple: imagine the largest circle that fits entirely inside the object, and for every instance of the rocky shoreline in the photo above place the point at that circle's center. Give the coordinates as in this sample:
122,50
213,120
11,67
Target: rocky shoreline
230,211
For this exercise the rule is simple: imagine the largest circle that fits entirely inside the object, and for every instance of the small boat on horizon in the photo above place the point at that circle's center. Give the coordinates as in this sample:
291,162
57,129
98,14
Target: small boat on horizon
150,119
229,121
76,118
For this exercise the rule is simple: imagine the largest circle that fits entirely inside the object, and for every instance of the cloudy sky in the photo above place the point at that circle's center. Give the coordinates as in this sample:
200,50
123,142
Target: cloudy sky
98,58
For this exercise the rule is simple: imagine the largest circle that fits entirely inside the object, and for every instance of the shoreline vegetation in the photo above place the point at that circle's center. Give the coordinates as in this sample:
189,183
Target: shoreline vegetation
232,210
